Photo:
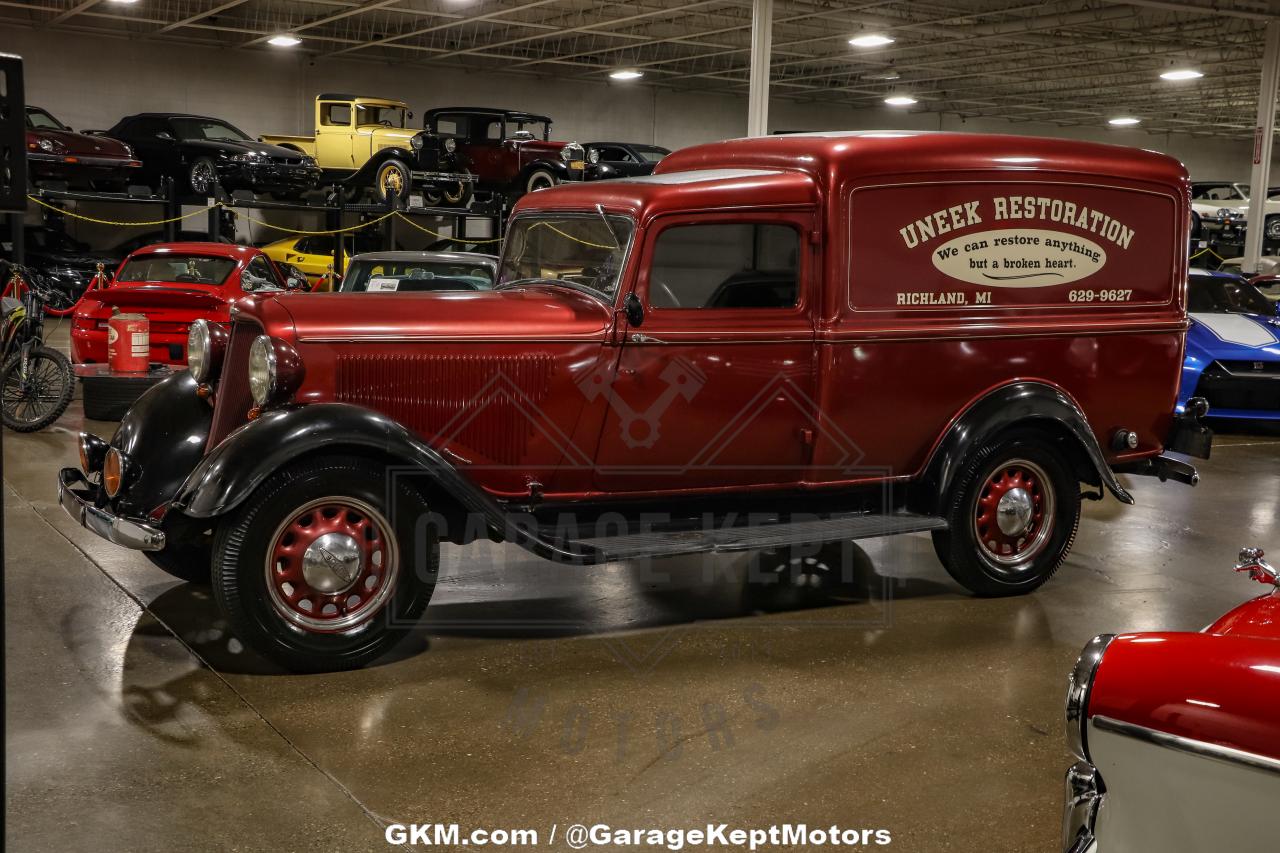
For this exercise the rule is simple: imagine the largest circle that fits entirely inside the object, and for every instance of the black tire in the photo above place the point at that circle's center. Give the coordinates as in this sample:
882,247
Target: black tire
976,550
51,386
1271,228
390,174
540,179
202,176
247,550
186,561
1197,226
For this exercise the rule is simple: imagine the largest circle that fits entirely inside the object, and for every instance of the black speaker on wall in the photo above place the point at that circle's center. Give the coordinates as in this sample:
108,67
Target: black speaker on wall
13,136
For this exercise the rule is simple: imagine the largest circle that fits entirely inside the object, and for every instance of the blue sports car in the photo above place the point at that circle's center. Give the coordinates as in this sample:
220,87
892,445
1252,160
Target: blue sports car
1233,348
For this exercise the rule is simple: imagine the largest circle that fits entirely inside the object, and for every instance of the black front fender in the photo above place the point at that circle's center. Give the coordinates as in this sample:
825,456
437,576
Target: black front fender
366,173
163,435
255,451
1031,404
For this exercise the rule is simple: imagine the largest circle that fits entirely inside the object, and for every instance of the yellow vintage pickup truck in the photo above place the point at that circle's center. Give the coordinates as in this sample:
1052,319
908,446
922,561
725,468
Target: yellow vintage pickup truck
365,143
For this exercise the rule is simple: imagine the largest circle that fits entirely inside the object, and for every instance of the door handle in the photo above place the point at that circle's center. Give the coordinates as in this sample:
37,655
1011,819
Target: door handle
642,338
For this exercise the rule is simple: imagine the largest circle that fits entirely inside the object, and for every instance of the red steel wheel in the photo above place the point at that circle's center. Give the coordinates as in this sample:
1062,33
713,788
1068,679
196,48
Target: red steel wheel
332,565
1013,514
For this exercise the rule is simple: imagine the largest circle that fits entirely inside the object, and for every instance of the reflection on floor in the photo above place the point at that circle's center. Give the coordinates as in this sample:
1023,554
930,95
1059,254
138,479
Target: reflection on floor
671,693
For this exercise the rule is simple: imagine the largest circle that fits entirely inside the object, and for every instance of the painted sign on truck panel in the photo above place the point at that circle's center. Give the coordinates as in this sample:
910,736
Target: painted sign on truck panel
999,244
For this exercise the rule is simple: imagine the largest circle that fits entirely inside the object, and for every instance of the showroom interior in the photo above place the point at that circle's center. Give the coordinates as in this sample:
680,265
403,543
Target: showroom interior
764,424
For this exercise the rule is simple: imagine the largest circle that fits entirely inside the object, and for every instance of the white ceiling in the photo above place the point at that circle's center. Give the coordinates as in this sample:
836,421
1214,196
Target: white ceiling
1074,62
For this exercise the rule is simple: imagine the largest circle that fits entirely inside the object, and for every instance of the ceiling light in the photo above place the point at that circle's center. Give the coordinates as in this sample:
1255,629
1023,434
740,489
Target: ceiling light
1124,121
124,1
900,100
626,74
1182,74
284,40
872,40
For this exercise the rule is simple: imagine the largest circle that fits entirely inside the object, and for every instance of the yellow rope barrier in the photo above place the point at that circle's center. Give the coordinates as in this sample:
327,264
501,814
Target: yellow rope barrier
346,230
1206,251
57,209
446,236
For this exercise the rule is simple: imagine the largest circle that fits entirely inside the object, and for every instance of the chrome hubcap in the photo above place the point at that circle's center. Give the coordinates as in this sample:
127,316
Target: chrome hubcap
1014,511
332,562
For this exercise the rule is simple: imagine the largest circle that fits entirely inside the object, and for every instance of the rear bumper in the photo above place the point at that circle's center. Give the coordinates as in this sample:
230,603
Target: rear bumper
79,499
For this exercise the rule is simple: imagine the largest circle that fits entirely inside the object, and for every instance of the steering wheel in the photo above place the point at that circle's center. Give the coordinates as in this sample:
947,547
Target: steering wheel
386,122
662,285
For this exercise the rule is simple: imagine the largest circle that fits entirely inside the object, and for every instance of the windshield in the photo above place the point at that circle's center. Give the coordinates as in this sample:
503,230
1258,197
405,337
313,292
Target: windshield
1207,295
38,119
168,267
576,249
208,129
536,129
415,275
651,155
367,114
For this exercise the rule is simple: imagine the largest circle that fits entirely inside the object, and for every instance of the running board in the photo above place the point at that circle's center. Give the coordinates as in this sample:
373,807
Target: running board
669,543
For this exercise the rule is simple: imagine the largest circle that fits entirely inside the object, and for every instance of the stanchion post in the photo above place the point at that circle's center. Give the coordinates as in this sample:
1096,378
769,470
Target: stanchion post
173,210
389,224
339,209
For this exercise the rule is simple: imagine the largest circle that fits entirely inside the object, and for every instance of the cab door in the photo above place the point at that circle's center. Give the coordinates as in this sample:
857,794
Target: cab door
335,133
715,387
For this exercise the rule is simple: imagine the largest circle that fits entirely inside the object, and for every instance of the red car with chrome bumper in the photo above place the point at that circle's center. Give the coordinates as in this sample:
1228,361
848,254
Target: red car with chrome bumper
1177,734
172,284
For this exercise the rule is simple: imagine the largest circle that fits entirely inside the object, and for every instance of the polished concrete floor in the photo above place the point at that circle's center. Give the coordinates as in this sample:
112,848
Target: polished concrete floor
665,696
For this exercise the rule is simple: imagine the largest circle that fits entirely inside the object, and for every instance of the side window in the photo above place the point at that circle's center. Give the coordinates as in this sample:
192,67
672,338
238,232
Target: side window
616,155
335,115
314,246
493,130
258,274
725,266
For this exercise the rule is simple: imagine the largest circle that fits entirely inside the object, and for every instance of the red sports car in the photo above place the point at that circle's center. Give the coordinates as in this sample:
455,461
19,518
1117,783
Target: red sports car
84,161
173,284
1178,735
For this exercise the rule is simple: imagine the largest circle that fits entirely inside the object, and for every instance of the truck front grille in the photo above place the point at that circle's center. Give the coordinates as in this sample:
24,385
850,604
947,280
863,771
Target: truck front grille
232,399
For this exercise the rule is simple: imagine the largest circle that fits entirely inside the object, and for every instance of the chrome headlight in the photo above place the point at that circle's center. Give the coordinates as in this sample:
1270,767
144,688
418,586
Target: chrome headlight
275,371
417,142
93,453
46,145
572,151
262,370
198,350
1079,686
594,155
450,145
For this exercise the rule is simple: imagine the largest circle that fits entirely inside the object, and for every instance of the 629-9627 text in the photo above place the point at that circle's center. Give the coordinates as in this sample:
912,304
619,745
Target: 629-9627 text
1100,295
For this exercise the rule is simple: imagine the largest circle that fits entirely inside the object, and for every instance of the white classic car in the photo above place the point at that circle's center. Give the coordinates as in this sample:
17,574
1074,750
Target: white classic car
1223,204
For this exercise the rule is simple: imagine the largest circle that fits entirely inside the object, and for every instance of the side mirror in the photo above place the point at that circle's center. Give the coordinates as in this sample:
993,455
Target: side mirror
633,310
408,116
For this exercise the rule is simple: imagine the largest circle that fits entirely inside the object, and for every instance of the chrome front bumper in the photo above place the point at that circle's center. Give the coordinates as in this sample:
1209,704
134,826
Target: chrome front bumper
1084,797
79,504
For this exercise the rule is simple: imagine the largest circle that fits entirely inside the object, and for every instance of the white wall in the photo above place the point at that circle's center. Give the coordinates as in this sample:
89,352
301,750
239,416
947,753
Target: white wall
91,82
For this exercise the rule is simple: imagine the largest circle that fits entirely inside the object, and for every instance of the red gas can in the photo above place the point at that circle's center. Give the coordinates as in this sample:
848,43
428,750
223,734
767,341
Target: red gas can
128,343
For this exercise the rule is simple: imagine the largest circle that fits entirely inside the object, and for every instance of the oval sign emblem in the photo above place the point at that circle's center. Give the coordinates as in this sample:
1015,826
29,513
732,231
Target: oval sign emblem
1019,257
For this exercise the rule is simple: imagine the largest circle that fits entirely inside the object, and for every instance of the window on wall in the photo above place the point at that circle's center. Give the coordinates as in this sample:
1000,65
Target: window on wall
725,266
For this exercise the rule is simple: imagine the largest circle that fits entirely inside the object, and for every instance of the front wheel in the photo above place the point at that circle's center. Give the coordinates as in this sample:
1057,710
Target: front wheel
540,179
317,571
1271,228
35,399
1012,516
202,177
392,178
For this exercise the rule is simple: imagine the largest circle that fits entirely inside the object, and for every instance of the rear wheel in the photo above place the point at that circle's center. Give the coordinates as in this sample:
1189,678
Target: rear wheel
1012,516
1271,228
35,399
318,572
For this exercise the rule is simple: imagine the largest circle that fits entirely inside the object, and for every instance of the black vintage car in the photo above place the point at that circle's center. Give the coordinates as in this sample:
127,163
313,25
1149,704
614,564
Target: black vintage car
622,159
199,152
66,264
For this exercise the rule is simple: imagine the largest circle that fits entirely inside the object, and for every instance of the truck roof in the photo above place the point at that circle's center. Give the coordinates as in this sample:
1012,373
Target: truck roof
343,96
514,115
866,153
